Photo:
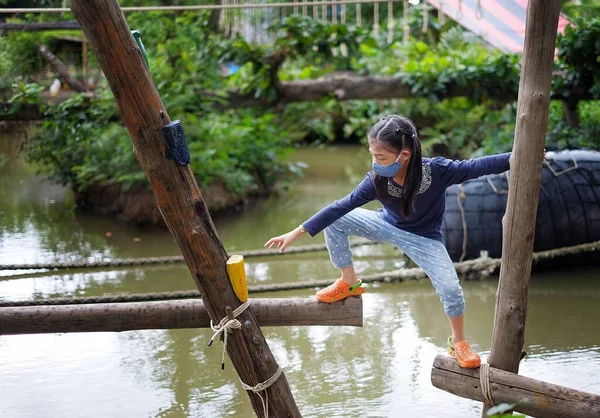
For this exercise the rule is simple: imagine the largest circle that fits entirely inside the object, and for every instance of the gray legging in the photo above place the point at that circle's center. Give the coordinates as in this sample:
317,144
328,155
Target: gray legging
429,254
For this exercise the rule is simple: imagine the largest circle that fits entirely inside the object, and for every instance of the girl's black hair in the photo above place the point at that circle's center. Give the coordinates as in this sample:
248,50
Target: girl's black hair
396,133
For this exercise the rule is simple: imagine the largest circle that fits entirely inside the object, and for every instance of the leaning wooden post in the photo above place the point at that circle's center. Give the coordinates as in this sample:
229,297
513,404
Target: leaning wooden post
178,195
524,187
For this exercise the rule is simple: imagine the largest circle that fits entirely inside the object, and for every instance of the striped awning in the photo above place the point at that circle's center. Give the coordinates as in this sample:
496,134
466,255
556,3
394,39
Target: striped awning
501,23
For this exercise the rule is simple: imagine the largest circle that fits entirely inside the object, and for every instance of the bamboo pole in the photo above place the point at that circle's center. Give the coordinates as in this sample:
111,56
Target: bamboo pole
533,397
178,196
173,314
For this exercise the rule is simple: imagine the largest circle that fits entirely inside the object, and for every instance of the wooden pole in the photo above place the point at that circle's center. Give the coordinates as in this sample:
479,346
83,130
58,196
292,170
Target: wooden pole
534,397
173,314
524,186
525,180
33,27
178,195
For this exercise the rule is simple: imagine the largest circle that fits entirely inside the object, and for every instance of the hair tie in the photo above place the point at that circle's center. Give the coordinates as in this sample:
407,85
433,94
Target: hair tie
397,130
414,135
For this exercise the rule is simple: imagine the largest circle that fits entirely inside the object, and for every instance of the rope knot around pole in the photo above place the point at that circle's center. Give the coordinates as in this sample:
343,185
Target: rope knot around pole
225,327
262,387
484,382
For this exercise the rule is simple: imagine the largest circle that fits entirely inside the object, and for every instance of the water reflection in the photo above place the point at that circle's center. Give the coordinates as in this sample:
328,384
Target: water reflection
380,370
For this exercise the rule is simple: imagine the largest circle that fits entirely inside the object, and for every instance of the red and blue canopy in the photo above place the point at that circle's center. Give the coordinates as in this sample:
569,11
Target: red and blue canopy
501,23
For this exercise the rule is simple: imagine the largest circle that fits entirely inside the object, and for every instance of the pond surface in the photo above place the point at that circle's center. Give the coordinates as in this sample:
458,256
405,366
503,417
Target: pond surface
380,370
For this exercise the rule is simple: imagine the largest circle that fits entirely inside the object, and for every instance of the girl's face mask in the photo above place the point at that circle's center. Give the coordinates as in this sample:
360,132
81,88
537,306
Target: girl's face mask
389,170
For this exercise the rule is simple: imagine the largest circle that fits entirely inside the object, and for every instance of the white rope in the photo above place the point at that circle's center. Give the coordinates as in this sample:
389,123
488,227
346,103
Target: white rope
495,189
262,387
484,381
575,166
189,8
225,327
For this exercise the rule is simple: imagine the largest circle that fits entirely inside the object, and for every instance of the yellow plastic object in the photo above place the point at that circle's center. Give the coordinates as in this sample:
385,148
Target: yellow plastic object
237,276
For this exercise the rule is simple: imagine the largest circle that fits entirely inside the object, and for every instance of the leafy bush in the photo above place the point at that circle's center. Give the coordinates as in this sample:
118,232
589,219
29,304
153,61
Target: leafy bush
579,59
80,145
244,148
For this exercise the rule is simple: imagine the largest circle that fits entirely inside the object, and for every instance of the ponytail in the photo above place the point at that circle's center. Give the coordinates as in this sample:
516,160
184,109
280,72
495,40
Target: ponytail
414,176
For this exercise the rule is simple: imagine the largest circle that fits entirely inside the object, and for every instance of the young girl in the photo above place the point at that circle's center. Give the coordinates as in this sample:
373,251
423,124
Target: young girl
412,193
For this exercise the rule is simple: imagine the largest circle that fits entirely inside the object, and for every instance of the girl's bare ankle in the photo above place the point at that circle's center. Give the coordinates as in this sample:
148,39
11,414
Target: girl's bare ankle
351,280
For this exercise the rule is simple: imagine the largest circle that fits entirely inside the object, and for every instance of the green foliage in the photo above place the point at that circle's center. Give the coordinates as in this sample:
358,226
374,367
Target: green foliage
431,70
586,9
579,59
80,145
334,45
23,94
244,149
67,147
563,136
6,65
500,411
241,149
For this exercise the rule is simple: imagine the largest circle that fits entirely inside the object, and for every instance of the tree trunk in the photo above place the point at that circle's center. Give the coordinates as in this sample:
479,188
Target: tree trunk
571,115
178,195
215,17
61,69
347,87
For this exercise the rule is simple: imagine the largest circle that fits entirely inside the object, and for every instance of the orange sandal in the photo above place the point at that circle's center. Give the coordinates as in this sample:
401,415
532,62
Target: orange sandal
466,357
339,290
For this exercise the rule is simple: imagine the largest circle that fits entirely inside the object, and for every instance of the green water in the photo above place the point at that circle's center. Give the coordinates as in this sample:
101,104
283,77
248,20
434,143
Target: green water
380,370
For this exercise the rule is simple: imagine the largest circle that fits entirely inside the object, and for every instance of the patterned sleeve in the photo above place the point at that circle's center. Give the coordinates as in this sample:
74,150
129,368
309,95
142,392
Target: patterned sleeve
456,172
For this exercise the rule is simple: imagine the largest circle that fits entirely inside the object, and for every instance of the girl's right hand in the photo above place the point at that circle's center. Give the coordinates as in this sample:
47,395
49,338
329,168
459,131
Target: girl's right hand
283,241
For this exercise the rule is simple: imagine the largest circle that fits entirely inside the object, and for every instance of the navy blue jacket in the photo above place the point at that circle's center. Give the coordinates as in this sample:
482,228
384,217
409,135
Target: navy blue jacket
430,201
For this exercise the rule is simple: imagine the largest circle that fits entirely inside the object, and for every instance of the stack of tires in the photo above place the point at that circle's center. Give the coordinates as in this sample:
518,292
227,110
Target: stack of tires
568,212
